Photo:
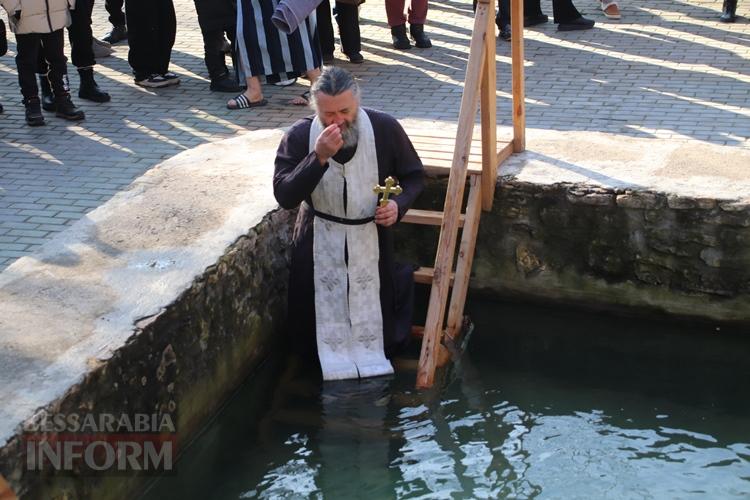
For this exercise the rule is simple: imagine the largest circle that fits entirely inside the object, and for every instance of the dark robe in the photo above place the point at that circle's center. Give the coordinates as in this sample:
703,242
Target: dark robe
297,173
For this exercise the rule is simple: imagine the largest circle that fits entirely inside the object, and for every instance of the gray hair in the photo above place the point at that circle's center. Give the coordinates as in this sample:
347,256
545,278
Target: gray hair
333,81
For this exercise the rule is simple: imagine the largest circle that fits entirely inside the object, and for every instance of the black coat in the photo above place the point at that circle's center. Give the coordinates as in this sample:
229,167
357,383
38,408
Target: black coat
297,173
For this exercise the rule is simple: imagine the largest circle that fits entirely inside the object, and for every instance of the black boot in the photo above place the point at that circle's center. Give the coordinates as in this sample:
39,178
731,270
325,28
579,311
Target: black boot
505,32
89,89
400,40
66,109
118,34
728,11
34,116
224,83
419,36
48,100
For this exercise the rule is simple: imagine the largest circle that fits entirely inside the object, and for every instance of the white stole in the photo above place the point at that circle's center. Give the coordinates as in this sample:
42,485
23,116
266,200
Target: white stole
348,323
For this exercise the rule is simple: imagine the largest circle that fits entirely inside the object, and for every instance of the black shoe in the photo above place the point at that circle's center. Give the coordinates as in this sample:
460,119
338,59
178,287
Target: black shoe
505,32
534,20
34,116
48,101
728,11
419,36
89,90
576,24
1,108
224,83
118,34
171,78
152,81
355,58
66,109
400,40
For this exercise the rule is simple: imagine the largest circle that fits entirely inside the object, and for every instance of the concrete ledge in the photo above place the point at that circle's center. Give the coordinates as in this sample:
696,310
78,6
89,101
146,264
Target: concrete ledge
159,301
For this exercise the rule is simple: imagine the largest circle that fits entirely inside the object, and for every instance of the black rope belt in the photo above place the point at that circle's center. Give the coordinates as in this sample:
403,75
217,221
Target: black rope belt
341,220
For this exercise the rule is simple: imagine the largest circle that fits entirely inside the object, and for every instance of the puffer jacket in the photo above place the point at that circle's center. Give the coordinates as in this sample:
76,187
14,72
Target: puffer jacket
38,16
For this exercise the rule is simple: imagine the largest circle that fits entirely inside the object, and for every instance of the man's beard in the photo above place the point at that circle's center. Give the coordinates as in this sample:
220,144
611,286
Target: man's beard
350,134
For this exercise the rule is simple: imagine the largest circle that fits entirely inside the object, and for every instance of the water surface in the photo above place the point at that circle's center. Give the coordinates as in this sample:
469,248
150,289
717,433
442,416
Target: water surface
545,403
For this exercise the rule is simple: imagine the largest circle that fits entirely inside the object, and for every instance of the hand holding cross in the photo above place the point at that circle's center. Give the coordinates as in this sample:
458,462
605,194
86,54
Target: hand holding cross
391,187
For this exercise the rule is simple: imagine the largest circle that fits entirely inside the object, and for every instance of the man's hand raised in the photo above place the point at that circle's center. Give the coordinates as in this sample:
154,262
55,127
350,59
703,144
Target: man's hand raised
328,143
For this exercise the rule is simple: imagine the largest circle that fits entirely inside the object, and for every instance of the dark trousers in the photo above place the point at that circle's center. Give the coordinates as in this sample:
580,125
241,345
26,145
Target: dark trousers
347,19
563,10
28,47
502,18
80,37
114,9
151,32
216,19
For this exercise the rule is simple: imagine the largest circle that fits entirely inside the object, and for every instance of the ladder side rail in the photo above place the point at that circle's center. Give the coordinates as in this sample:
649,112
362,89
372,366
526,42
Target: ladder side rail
465,258
454,197
517,76
488,111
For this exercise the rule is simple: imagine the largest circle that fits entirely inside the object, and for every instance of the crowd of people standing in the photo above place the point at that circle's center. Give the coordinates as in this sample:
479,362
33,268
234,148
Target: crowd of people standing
261,51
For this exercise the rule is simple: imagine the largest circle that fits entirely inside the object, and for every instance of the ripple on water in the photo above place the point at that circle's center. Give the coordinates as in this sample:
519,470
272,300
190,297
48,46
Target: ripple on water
530,430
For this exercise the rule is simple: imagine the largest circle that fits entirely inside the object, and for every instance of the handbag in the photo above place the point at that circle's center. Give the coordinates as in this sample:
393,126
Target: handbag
3,39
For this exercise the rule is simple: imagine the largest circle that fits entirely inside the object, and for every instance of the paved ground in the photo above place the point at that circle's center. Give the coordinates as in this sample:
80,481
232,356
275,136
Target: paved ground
668,69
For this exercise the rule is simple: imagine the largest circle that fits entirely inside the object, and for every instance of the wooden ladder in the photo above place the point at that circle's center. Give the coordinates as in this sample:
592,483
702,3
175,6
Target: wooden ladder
477,156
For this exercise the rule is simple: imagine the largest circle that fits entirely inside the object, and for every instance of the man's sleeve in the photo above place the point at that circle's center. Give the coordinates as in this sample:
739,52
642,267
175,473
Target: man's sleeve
297,170
408,168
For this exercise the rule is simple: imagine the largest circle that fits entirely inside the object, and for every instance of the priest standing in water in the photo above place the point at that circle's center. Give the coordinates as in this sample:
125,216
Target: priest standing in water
348,299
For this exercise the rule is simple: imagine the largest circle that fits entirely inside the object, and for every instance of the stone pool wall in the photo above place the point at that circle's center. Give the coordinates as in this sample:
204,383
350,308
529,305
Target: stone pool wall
184,361
617,249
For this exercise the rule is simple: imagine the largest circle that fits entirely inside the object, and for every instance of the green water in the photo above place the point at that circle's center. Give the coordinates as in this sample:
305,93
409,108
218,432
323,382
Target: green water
546,403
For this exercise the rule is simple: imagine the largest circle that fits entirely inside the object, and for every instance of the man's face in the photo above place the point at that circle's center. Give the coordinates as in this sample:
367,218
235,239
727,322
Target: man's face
339,109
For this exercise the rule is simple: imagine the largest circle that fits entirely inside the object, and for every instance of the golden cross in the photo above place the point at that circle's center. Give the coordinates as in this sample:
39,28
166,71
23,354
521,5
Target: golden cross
391,187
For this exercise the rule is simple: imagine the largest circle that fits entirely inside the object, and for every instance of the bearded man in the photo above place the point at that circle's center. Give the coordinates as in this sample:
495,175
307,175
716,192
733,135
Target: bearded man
348,299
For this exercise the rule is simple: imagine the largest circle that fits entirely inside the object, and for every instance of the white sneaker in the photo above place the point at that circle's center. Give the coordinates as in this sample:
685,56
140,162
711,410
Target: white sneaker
101,49
171,78
286,83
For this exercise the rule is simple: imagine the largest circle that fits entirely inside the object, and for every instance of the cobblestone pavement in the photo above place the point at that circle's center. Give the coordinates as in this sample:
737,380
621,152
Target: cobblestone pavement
668,69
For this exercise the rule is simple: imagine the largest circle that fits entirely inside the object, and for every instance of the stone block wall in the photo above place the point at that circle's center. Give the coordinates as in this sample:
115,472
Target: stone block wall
616,249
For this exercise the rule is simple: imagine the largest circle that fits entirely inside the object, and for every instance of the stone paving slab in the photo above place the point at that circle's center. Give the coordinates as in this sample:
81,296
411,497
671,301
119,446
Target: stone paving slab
667,70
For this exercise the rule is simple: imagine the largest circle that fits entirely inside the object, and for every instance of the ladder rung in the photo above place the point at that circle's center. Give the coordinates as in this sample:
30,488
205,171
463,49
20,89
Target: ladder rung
444,169
424,275
405,364
427,217
417,333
